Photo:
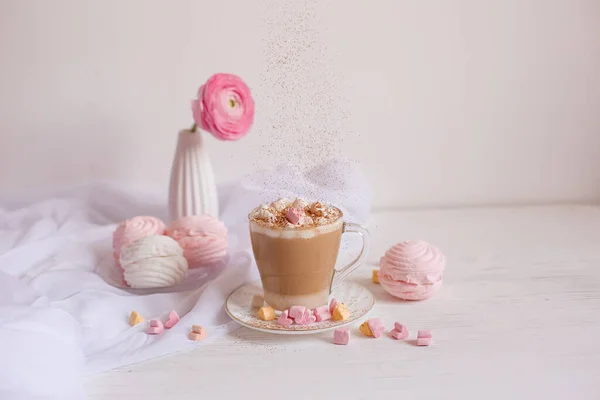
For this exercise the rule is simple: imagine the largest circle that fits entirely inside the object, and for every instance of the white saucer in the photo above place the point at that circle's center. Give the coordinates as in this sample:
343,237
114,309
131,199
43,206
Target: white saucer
357,297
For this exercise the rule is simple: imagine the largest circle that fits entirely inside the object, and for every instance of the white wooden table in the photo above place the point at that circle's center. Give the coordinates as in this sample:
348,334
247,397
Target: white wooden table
518,317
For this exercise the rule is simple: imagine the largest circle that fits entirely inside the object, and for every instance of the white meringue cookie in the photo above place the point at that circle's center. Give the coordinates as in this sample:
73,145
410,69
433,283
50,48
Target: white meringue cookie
153,261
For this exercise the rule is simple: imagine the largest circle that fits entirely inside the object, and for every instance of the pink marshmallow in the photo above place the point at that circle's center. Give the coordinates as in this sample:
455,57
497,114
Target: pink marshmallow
284,320
294,215
156,324
424,338
156,327
332,305
399,327
399,335
322,313
341,336
399,332
376,327
297,312
307,318
172,321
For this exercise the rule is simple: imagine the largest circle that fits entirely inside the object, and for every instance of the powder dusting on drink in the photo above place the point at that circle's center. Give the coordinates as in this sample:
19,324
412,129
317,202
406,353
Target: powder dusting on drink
286,213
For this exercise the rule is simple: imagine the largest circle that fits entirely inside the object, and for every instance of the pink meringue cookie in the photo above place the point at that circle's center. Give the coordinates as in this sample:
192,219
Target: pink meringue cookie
203,239
412,270
133,229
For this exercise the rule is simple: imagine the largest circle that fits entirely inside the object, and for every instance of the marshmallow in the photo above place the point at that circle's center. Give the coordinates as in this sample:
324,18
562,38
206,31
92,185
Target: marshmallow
156,327
365,330
322,313
173,319
135,318
332,305
375,276
399,332
263,213
340,312
281,204
341,336
297,312
307,318
258,301
267,313
198,333
294,215
284,320
153,261
376,327
300,203
424,338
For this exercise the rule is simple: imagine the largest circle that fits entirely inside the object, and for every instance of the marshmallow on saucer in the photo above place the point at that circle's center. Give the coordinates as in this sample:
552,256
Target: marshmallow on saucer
153,261
412,270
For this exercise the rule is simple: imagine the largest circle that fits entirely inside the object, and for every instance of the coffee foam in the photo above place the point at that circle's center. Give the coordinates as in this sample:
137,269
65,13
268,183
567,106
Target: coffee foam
295,233
296,214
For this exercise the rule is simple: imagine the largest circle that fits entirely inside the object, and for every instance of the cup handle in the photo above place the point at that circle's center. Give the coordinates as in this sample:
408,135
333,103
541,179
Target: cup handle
340,274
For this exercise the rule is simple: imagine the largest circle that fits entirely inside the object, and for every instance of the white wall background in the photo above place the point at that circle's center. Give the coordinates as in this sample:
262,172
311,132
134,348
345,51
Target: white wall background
443,102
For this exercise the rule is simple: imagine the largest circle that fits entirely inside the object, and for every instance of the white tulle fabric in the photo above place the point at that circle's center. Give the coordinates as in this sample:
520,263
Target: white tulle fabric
60,319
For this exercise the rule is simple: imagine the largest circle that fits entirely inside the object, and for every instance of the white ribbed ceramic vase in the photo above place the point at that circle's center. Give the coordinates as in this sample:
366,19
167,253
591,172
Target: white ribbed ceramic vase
192,190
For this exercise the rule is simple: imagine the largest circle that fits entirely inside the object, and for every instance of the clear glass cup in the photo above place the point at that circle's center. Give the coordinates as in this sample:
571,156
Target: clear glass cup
297,265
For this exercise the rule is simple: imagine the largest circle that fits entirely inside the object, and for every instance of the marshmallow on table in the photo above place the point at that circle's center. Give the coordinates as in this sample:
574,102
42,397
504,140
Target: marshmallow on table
341,336
322,313
376,327
399,332
340,312
365,330
372,327
173,319
156,327
332,304
198,333
375,276
267,313
424,338
258,301
284,320
135,318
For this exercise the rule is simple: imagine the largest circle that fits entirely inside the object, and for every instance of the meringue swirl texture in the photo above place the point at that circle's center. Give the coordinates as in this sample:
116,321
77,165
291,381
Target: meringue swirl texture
133,229
412,270
203,239
152,262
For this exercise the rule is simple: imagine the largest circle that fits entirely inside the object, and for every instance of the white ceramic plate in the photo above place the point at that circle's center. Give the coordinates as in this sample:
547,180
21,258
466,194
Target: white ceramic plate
357,297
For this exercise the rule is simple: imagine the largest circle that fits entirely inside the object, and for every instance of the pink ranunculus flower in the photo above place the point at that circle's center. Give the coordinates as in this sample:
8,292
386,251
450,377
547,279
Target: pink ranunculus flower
224,107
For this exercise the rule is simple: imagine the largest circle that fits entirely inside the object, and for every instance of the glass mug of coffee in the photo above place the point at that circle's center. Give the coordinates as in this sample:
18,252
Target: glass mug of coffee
296,245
